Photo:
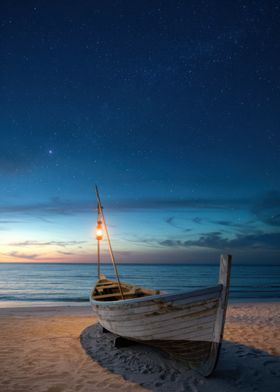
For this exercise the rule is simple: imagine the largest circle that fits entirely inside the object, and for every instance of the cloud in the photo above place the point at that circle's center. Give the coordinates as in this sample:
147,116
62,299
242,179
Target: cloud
267,208
171,243
224,223
32,256
197,220
242,226
172,221
240,241
57,206
185,203
66,253
47,243
6,222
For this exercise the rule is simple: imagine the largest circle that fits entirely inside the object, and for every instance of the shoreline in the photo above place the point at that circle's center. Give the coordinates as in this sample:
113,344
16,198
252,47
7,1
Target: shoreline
40,350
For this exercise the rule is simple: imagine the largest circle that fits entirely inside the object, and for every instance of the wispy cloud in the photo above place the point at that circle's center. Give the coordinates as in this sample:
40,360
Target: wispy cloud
27,256
224,223
57,206
174,222
47,243
237,225
215,240
6,224
197,220
8,221
173,203
267,209
170,221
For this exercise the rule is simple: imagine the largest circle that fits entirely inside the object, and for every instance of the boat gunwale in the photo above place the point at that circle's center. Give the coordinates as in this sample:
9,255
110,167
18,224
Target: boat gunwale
167,297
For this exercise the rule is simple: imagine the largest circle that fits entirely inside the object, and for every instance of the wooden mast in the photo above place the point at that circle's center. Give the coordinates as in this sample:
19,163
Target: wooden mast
100,212
98,245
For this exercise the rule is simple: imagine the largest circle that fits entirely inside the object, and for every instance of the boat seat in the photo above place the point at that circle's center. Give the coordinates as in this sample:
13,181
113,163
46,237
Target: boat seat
100,283
109,286
103,296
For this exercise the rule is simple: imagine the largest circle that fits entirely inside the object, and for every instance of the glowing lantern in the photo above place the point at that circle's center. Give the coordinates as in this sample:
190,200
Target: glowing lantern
99,233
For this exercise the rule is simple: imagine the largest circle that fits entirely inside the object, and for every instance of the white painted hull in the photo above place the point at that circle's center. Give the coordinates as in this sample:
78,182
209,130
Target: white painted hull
172,317
188,324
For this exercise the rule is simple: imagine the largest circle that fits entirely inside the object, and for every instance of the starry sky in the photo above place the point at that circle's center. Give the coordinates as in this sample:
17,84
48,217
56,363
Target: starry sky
170,107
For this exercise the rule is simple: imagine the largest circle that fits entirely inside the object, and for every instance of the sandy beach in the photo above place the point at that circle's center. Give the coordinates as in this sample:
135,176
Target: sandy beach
41,350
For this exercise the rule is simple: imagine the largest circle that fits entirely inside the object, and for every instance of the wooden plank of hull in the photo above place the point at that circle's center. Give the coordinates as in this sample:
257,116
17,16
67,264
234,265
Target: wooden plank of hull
163,321
188,316
158,311
142,329
204,333
149,305
188,325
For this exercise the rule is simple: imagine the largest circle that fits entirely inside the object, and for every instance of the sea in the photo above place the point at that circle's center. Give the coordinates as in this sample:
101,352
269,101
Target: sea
47,284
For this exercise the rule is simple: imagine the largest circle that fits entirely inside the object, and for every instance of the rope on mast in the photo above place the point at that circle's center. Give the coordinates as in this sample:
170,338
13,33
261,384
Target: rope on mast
100,210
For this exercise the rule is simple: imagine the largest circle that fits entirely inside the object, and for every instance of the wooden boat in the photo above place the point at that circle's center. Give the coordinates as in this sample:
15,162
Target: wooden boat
188,325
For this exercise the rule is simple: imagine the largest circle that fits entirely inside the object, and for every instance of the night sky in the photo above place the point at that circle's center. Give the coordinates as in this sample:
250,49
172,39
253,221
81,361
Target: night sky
170,107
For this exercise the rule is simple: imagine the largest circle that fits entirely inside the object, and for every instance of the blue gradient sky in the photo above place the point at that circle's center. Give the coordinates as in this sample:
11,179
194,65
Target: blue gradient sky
171,107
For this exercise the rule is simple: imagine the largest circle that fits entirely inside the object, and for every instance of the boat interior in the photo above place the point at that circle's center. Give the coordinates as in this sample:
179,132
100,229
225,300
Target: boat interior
109,290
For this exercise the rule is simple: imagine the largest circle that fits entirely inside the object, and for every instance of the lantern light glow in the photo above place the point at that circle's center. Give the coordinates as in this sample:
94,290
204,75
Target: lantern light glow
99,232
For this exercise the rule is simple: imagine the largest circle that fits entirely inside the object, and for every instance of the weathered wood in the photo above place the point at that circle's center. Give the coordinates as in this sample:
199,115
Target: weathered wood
159,303
112,295
183,322
107,286
110,284
224,280
117,295
203,293
155,317
104,282
188,324
176,333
